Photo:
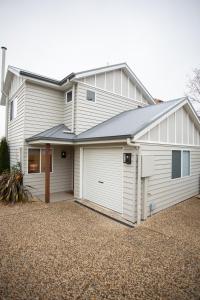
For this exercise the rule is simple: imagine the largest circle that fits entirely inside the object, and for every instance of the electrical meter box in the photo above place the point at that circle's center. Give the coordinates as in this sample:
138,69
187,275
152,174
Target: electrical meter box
147,165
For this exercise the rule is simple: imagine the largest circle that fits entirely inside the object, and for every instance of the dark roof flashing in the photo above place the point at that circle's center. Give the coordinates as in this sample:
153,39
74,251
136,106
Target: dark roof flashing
47,79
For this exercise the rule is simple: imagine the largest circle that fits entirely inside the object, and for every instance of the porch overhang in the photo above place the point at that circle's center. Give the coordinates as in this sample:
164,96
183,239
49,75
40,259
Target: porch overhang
52,142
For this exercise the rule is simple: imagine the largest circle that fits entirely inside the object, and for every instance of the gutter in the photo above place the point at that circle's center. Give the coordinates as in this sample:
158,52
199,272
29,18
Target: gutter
138,147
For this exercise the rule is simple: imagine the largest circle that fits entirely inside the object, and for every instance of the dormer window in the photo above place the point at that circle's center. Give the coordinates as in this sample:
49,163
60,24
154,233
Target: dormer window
69,96
13,109
90,96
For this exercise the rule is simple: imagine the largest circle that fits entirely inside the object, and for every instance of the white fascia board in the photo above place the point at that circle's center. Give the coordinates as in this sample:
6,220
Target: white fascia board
40,82
100,142
13,70
37,142
191,111
100,70
139,83
159,120
49,142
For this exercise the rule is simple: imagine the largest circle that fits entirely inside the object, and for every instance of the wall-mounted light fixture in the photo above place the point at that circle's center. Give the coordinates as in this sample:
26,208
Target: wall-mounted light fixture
127,158
63,154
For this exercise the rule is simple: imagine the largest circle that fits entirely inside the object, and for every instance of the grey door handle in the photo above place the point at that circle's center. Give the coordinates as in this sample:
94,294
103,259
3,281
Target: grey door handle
100,181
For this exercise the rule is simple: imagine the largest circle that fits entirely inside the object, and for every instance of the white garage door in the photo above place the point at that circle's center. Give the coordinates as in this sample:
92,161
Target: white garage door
102,177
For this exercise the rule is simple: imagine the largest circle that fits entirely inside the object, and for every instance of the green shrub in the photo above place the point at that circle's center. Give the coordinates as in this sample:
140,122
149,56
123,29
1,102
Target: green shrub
12,189
4,156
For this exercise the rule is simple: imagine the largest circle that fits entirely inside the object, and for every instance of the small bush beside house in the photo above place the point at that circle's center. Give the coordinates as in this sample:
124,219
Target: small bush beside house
4,156
12,189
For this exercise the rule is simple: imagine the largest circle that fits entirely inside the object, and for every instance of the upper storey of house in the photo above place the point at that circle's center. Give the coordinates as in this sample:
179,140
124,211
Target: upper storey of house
80,101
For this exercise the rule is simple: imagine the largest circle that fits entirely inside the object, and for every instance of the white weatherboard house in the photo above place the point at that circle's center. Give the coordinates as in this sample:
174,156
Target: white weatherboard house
100,134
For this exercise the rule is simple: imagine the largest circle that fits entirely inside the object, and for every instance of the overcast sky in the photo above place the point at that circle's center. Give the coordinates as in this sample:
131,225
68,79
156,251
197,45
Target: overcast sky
159,39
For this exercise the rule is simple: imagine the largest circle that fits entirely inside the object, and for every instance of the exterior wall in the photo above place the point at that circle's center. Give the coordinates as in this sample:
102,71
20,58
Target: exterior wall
68,108
129,186
44,108
89,114
163,191
16,126
116,82
129,180
15,85
178,128
61,177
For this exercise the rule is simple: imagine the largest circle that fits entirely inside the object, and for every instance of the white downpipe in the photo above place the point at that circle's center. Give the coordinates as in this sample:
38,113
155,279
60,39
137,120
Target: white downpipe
144,214
136,145
81,173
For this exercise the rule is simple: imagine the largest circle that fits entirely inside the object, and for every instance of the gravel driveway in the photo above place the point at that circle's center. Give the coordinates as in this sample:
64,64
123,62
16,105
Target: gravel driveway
66,251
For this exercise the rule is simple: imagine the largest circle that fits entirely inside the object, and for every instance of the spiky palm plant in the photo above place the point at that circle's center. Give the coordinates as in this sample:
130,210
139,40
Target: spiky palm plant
12,189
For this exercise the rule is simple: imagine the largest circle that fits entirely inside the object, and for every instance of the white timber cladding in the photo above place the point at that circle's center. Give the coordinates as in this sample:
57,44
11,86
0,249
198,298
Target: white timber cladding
89,114
16,125
177,129
61,177
116,82
44,108
15,85
69,109
129,175
162,190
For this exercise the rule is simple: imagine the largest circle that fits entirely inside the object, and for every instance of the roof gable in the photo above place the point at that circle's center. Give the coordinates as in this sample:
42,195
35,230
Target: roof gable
119,79
180,126
61,84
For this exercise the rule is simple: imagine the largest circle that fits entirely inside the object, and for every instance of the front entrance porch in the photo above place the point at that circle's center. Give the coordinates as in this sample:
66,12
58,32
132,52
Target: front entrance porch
58,196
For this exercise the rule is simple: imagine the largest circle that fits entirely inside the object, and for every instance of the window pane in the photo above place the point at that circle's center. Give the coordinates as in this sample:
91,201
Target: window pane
14,108
90,96
34,161
43,160
186,163
176,163
11,110
69,96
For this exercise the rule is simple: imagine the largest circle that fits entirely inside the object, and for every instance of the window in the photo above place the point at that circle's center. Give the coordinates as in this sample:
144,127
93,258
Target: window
13,109
180,163
36,160
186,163
90,96
69,96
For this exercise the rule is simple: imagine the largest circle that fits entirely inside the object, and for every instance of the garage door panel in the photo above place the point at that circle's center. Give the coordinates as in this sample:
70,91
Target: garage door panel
103,165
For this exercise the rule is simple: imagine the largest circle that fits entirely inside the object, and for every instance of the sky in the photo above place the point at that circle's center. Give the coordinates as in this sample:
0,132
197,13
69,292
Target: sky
159,39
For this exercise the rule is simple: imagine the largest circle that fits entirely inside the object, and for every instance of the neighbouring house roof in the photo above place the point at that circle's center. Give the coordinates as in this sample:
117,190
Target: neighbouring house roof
60,84
124,125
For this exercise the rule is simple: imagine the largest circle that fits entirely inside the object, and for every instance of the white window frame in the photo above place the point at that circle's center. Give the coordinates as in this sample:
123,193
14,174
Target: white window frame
52,151
13,103
94,96
68,102
181,150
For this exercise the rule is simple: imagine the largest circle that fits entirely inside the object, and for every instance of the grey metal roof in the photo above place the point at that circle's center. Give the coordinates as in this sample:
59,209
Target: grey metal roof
126,124
57,133
129,123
